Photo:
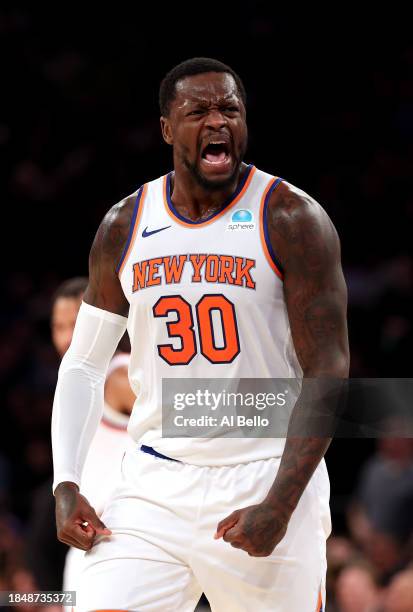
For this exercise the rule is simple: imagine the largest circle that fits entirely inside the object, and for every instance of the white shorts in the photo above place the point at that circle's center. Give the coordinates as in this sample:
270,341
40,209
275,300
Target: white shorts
74,562
162,553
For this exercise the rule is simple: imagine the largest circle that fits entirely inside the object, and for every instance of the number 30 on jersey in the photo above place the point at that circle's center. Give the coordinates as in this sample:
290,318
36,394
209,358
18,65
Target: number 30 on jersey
184,329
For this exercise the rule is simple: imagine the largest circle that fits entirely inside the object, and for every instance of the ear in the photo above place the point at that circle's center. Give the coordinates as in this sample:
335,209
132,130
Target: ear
166,129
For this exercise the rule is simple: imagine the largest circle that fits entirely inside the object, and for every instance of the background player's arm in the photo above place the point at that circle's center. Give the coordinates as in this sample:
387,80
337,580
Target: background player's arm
118,392
104,292
306,242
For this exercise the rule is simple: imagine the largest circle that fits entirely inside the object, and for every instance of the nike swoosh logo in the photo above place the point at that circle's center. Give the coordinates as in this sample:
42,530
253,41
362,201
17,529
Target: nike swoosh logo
145,233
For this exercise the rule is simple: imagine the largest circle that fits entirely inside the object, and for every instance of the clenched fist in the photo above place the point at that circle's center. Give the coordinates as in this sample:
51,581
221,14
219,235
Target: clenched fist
256,529
76,521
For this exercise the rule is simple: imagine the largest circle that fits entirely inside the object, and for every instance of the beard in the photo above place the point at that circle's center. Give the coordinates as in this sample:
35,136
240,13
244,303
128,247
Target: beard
214,184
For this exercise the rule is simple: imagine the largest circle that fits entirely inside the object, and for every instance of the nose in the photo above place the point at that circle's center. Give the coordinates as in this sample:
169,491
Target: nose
215,120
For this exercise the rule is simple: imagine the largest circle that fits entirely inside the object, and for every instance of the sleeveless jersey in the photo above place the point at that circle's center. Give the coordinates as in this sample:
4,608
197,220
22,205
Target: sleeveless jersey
206,301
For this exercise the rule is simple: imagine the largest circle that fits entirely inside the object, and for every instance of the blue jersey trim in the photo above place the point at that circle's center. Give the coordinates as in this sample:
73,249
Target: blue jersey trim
265,224
227,203
152,451
132,225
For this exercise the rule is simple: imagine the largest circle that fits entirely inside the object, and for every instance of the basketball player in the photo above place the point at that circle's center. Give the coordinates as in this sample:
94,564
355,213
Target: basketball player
245,520
111,438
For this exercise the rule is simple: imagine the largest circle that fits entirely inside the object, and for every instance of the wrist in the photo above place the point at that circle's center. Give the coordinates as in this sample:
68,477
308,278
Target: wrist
64,487
283,508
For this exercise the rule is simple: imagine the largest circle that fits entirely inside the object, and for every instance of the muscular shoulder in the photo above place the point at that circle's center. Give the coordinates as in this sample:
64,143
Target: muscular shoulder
113,232
104,289
299,227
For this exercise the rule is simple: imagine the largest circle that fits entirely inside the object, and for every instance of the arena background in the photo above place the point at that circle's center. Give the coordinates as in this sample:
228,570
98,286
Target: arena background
330,109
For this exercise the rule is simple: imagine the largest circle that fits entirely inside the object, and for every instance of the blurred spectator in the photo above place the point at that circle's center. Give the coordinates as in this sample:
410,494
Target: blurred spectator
357,589
381,515
340,552
399,594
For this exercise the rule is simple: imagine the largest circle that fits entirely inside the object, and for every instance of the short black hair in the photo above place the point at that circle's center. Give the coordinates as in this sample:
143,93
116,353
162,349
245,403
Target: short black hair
71,288
190,67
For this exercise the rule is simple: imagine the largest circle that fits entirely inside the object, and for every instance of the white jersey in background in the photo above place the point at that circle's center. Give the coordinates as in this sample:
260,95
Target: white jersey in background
206,301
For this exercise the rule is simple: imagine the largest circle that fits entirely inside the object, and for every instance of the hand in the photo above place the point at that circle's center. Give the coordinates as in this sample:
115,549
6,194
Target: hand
76,521
256,529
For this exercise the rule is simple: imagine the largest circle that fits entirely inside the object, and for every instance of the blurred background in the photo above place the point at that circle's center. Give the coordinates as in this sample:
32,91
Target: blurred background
330,109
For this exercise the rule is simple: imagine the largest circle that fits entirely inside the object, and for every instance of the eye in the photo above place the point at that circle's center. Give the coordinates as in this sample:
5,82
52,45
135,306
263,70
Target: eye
198,111
231,109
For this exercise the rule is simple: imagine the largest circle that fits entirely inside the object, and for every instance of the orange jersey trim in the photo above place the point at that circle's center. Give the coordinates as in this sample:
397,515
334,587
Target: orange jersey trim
135,229
262,222
319,607
215,216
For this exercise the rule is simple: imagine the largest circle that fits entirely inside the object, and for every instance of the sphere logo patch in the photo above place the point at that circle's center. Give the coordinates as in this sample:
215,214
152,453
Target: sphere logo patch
241,220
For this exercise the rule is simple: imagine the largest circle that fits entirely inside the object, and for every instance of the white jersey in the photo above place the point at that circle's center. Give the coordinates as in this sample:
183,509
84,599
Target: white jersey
206,301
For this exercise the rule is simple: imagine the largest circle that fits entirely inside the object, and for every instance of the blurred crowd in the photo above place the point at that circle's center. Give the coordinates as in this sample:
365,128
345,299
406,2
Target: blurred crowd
370,568
80,130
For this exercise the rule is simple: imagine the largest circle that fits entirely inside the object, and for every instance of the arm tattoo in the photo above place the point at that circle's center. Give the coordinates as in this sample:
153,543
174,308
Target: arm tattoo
315,293
104,290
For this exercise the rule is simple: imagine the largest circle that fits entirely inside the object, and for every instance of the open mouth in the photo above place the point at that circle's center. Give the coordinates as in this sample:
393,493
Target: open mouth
216,152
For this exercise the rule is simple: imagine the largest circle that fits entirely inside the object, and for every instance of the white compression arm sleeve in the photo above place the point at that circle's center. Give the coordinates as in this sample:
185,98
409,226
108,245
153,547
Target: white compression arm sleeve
78,401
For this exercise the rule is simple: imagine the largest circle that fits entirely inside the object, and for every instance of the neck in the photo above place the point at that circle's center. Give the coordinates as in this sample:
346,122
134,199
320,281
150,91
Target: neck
195,202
